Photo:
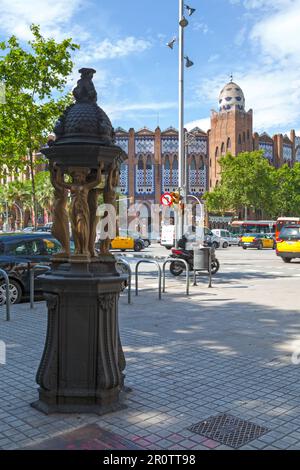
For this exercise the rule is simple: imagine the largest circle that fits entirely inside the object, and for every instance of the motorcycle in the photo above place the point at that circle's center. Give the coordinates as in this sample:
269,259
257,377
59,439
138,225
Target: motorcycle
177,268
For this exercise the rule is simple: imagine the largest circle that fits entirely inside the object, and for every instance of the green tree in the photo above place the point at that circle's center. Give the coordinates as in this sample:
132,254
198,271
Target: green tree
44,190
33,75
247,180
287,194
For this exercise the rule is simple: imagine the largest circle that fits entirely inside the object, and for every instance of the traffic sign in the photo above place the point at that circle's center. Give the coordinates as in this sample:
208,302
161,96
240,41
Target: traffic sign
166,199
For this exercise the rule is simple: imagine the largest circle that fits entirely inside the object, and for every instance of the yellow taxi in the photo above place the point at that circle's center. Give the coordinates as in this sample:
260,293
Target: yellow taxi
288,243
127,243
258,240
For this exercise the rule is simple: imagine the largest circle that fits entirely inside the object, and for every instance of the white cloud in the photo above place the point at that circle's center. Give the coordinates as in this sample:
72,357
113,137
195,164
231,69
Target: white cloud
17,15
108,49
115,111
203,124
271,84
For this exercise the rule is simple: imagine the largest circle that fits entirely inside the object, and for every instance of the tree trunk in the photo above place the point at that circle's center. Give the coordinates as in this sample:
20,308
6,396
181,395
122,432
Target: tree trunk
34,208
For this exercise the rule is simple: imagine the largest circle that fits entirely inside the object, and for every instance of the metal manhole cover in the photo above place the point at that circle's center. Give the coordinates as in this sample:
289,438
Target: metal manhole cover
228,430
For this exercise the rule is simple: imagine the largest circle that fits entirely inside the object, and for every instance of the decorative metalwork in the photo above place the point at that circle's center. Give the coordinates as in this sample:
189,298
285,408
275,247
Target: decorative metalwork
297,153
229,430
144,180
122,142
287,152
198,145
123,183
144,145
197,181
169,145
267,149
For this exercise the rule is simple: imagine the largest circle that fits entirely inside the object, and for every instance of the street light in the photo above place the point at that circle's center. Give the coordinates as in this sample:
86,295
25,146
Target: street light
183,22
188,62
190,10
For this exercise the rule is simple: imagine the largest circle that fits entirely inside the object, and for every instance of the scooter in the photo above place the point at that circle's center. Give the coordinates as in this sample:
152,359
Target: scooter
177,268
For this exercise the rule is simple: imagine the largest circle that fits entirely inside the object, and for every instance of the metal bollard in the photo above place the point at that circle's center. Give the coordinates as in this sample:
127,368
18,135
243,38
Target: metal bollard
6,278
127,264
187,283
41,266
159,275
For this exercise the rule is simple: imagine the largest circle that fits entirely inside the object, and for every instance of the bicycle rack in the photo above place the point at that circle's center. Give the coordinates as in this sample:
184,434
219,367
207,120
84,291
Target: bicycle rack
41,266
209,271
6,278
158,271
124,261
187,280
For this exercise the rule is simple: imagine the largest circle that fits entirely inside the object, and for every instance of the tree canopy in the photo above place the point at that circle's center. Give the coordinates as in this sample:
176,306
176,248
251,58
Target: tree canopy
35,77
249,180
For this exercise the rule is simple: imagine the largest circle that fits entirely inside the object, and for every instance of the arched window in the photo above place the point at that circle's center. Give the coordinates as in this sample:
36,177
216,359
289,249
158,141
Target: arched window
223,149
201,165
217,152
167,162
244,137
240,139
193,163
148,163
175,163
140,163
248,134
228,143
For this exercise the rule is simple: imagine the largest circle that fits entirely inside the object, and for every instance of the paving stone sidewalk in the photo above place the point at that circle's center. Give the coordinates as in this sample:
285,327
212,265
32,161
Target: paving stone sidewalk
222,350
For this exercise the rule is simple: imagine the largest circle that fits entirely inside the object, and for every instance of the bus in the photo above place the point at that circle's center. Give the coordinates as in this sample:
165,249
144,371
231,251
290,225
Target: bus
281,221
238,227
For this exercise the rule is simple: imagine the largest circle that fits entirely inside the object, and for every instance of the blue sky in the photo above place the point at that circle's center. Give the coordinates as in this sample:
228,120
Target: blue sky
125,41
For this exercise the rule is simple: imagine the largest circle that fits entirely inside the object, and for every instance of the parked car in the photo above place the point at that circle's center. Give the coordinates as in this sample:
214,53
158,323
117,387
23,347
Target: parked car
19,252
136,235
227,237
258,240
288,243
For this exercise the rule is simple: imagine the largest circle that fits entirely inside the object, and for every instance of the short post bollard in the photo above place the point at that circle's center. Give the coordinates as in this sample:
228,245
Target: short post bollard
158,271
6,278
32,269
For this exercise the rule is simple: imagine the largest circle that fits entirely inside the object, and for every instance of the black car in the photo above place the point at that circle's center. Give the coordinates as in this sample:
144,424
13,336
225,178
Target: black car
19,252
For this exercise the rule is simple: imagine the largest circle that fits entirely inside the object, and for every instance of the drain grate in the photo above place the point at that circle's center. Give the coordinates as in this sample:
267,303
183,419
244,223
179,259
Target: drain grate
228,430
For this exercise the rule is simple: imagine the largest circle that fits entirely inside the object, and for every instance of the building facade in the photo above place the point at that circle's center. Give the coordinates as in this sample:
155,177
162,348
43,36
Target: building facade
152,165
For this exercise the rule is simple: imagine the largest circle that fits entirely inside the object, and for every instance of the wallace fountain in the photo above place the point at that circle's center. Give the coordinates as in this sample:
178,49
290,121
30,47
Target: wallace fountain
81,369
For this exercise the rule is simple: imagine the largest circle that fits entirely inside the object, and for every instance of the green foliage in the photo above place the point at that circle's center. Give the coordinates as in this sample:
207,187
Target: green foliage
34,78
287,195
248,180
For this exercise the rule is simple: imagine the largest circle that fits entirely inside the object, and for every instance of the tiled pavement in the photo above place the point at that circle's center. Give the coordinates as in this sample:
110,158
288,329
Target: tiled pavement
222,350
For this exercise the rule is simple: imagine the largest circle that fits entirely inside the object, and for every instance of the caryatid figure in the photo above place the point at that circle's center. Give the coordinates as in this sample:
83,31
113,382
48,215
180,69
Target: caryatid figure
60,228
80,212
109,197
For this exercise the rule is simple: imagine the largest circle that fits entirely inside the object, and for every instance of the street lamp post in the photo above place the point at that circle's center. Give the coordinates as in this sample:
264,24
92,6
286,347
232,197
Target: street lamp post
183,22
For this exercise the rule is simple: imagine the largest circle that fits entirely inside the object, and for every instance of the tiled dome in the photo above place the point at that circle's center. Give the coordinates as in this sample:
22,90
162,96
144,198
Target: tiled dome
231,96
84,121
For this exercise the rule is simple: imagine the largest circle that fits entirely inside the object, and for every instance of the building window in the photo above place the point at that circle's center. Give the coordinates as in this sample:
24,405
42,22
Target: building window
175,163
217,152
223,149
167,163
248,134
240,139
140,163
193,164
148,163
244,137
228,143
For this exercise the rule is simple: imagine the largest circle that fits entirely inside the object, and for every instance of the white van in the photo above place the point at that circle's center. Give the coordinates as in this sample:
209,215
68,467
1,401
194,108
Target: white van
227,238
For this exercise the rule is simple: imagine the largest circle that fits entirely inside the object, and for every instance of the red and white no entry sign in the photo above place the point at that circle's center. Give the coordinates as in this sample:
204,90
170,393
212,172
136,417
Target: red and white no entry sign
166,199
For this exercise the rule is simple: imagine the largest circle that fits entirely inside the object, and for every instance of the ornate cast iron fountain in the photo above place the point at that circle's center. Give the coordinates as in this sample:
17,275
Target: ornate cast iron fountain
81,369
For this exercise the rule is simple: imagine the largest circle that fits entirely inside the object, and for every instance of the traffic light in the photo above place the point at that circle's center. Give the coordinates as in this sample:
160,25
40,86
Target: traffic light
175,198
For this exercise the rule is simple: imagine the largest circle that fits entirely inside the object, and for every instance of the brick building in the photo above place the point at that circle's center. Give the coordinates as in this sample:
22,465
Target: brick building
152,165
